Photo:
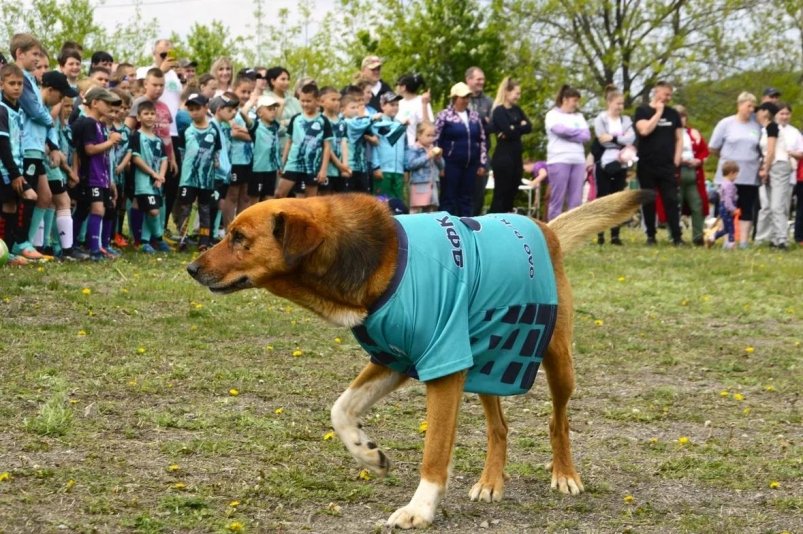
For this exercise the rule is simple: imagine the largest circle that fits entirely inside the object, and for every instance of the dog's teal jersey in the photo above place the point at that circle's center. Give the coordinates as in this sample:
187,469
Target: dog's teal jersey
468,293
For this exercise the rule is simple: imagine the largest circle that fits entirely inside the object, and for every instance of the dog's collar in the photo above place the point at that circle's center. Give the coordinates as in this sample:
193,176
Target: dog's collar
401,266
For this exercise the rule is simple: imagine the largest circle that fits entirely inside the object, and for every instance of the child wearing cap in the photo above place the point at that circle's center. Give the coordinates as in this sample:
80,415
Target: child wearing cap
242,148
95,148
337,171
267,151
306,155
149,158
223,108
14,189
388,155
123,179
358,130
202,146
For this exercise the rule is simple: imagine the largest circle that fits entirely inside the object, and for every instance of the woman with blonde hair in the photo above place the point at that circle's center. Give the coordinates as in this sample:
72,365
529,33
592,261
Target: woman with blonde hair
736,138
223,71
509,123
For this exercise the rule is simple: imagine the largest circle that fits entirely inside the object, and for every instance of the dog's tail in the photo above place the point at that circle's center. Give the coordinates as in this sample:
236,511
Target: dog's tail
575,226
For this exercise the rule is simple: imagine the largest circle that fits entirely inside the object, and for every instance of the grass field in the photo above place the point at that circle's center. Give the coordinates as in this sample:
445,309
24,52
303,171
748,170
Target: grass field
133,400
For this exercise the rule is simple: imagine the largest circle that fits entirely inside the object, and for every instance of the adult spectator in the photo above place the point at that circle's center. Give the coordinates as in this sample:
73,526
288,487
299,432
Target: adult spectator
371,71
101,59
566,131
693,196
223,71
481,104
616,135
414,108
780,145
461,136
771,94
278,86
736,138
660,142
70,65
261,81
509,123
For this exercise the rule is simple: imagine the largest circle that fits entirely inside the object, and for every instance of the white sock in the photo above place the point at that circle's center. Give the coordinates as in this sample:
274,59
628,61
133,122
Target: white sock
64,224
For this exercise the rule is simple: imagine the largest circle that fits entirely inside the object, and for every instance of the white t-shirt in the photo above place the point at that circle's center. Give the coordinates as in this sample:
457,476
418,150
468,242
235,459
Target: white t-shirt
171,96
558,149
412,109
788,140
687,154
463,116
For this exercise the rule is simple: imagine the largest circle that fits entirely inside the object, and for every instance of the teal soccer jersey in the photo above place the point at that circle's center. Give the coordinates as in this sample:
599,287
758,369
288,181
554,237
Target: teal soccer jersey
242,152
201,147
223,172
339,132
474,294
120,151
356,128
267,150
64,135
151,150
307,135
11,123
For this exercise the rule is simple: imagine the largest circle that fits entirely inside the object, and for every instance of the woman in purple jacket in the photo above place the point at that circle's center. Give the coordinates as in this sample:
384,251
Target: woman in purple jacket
566,131
460,134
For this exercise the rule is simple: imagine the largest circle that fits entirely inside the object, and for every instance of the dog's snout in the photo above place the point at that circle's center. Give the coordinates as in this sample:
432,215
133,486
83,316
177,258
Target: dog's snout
193,268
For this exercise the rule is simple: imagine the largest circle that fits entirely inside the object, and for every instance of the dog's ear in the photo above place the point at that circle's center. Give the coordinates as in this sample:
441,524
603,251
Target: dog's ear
298,233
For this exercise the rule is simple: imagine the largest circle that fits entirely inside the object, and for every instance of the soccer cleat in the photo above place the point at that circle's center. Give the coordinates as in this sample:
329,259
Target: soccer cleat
161,246
120,241
33,255
97,256
113,251
74,254
17,261
147,248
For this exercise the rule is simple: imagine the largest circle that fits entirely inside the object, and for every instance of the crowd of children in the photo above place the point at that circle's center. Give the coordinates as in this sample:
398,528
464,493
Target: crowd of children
97,161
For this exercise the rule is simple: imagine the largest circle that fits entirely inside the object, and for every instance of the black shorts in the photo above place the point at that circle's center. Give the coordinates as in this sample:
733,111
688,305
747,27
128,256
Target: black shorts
57,187
149,202
221,190
7,193
187,195
240,174
101,194
79,193
358,182
33,168
337,184
302,180
262,184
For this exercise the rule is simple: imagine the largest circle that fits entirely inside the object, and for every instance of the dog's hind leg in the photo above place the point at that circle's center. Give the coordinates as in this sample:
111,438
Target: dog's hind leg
491,486
443,403
560,376
373,383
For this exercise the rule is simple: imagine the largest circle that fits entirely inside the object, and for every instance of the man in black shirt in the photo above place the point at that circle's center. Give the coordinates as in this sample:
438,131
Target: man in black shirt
660,143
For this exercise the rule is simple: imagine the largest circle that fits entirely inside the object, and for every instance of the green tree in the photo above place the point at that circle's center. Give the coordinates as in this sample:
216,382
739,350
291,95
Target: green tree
206,43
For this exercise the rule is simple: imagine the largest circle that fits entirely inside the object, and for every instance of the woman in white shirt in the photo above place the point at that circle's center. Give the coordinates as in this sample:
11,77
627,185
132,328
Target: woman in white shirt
414,108
567,131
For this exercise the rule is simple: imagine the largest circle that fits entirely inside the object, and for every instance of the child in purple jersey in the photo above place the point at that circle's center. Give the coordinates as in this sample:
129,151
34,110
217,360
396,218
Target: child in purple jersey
94,146
727,206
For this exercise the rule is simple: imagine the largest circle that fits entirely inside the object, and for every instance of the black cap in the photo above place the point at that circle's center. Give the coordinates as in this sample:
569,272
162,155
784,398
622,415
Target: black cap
100,56
58,81
771,91
251,74
388,97
198,99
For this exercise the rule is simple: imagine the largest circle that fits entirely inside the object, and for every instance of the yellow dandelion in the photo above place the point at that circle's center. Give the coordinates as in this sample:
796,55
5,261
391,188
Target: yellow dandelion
684,302
705,298
598,322
173,468
86,291
338,340
738,397
749,350
746,411
8,299
775,484
621,279
90,313
124,290
180,486
234,392
365,475
235,526
69,485
328,436
423,426
683,440
278,411
193,327
197,305
297,353
653,441
769,387
234,504
269,348
5,476
629,499
141,350
40,269
724,393
797,343
73,401
81,333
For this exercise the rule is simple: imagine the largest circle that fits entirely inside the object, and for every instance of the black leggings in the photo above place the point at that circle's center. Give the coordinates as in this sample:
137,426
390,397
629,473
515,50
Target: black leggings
608,184
665,181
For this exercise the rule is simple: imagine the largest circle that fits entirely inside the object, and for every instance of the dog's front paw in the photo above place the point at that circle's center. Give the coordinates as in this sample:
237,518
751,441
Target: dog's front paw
566,480
412,516
488,490
373,458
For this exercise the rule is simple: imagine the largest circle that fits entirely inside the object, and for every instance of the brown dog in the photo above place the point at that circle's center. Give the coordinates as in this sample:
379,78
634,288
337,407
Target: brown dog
339,256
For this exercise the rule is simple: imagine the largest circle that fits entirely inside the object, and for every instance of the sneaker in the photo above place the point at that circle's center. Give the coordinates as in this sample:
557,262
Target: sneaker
113,251
97,256
782,247
730,245
108,255
651,242
161,246
147,248
73,254
120,241
32,254
182,245
17,261
679,243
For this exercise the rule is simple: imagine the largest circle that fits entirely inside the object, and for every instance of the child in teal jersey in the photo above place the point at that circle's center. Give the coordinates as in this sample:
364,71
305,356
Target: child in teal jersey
388,155
149,157
202,146
267,150
306,155
122,162
337,171
242,148
224,108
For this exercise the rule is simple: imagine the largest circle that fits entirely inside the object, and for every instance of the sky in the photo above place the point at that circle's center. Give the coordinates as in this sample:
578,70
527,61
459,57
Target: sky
179,15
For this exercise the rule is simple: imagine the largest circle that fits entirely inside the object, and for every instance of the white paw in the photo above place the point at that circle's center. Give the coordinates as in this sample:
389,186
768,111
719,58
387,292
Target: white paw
411,517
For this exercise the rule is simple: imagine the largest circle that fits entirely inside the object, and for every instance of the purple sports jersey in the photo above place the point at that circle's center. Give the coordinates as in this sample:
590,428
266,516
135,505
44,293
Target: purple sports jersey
95,170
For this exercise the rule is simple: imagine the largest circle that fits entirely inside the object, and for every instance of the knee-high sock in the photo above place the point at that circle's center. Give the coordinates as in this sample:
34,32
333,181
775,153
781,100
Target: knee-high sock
147,227
50,216
109,221
157,230
10,228
22,242
135,222
36,229
64,224
93,229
